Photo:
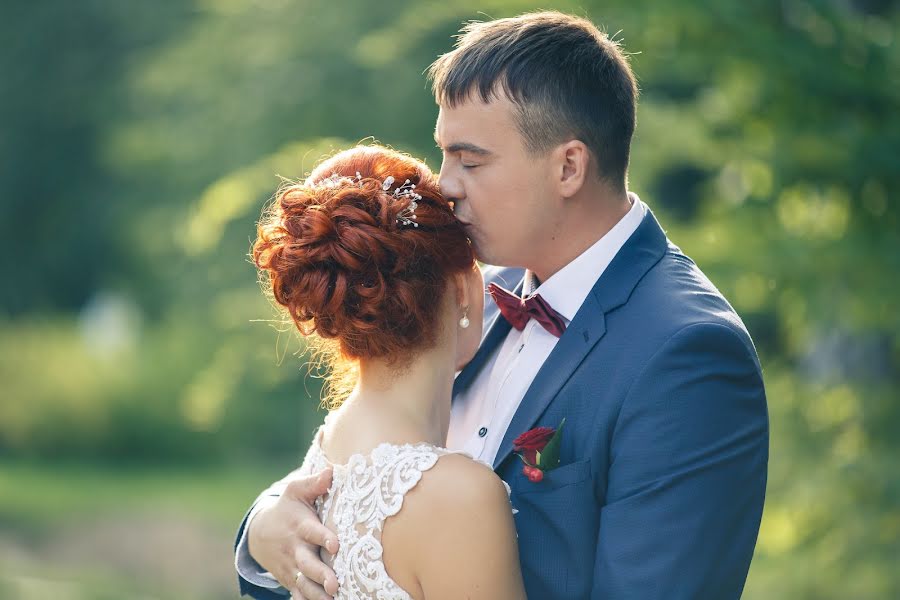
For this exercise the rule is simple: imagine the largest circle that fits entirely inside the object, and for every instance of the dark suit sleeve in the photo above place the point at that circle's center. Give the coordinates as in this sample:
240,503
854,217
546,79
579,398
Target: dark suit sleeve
244,563
687,475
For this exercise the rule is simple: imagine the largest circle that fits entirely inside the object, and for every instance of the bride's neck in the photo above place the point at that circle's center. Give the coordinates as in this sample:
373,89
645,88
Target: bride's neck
411,404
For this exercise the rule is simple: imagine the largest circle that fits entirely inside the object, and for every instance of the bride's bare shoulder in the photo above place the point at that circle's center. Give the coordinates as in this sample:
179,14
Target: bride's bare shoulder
465,493
454,484
458,519
460,478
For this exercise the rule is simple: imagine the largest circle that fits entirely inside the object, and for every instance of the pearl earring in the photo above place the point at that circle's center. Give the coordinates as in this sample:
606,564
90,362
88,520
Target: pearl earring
464,322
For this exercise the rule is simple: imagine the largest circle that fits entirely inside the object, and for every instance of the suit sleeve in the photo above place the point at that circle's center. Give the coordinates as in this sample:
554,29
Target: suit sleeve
253,580
687,474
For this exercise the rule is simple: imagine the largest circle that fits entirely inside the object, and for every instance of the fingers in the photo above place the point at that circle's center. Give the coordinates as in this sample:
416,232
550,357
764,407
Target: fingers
308,590
296,594
307,489
317,581
316,571
313,532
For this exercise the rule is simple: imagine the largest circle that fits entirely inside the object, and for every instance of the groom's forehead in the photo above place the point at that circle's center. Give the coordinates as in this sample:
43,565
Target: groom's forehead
470,117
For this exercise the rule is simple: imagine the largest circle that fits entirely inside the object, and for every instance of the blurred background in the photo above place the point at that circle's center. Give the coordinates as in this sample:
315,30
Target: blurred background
148,390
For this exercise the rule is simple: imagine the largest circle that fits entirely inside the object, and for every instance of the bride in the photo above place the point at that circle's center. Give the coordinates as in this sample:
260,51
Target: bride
368,259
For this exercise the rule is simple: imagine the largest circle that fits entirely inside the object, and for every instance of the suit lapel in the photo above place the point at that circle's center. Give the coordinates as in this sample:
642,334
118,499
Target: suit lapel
580,336
639,253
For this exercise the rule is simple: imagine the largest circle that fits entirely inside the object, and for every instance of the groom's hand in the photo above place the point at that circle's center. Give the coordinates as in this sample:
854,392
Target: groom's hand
286,536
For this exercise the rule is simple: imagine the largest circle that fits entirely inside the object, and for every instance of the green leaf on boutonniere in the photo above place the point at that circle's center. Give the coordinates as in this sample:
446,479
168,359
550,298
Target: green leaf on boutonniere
549,458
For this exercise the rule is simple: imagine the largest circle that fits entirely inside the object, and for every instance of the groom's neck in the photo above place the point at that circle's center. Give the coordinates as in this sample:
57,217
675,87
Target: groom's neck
587,219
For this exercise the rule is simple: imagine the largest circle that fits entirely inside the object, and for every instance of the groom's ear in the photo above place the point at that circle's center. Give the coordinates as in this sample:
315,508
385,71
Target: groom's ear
572,163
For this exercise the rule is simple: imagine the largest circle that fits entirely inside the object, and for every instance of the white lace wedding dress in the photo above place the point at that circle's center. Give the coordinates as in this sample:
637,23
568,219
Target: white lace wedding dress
364,493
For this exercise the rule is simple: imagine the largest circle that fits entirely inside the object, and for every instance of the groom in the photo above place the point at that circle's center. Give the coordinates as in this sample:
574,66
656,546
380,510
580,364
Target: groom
662,474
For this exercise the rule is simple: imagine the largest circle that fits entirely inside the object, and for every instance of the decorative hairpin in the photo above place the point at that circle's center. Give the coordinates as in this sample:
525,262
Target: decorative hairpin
334,180
405,217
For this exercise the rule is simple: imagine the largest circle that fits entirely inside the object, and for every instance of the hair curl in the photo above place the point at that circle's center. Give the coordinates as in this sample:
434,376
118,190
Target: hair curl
336,259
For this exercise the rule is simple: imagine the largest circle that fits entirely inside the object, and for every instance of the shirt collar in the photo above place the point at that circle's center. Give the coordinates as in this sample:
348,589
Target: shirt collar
566,289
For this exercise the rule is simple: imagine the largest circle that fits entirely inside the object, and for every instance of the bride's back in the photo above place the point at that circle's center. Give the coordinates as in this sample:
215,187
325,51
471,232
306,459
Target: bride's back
410,518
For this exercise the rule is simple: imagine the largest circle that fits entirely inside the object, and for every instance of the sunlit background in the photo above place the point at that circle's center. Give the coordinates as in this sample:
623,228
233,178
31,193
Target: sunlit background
147,392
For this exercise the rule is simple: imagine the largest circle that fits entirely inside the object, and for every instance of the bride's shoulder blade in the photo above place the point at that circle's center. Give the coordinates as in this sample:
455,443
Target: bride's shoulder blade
458,519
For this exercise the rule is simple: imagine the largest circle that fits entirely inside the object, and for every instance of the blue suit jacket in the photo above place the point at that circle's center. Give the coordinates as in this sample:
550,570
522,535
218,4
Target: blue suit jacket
663,462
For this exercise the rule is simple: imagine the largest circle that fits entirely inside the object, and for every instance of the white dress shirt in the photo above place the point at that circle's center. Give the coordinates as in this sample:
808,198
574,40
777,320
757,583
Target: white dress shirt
481,414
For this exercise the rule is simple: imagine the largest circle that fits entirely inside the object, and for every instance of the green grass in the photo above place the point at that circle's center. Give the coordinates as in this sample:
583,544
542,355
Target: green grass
91,532
40,495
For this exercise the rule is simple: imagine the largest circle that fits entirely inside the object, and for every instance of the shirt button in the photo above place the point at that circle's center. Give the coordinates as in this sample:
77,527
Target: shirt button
482,432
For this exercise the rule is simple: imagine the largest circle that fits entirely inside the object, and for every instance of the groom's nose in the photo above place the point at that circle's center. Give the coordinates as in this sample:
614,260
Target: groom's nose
451,187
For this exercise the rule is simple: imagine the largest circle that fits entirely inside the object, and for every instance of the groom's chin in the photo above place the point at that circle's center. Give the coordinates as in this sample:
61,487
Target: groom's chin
480,256
481,253
484,256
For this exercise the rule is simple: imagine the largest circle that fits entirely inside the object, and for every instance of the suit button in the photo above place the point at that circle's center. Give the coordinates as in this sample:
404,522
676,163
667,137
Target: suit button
482,432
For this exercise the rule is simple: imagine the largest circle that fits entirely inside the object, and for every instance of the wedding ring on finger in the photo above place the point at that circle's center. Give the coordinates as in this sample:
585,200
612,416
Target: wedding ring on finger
297,578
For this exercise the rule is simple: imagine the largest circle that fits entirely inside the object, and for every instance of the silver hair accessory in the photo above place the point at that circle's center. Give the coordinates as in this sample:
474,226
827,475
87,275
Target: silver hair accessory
334,180
407,216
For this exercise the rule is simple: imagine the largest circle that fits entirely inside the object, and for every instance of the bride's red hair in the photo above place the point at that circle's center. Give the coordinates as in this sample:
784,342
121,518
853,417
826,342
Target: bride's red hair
343,267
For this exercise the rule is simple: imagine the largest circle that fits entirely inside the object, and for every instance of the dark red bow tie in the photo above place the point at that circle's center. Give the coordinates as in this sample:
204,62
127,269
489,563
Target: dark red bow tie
517,311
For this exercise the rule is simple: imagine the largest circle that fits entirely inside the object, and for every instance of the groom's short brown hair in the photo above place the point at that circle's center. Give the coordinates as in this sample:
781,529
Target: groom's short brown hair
569,80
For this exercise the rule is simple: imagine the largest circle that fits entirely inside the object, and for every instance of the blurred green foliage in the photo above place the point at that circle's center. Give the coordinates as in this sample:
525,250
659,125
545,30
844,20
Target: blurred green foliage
140,142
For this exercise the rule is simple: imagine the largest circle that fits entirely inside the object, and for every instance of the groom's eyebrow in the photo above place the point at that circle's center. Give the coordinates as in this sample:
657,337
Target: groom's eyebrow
467,147
462,147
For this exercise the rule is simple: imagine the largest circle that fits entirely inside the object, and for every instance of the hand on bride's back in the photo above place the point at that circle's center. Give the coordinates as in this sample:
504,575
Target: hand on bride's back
285,537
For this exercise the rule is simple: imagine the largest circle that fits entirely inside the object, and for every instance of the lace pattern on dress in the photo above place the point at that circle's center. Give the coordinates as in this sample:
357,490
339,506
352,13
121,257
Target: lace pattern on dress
363,494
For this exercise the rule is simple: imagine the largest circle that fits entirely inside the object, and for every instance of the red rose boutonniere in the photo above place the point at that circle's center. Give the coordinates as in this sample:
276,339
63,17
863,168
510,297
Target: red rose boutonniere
539,450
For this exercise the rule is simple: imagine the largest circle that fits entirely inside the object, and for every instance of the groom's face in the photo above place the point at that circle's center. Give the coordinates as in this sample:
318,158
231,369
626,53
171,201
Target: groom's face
499,188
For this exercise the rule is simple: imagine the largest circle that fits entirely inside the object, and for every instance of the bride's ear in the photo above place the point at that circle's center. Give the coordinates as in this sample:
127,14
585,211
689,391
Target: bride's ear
461,285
